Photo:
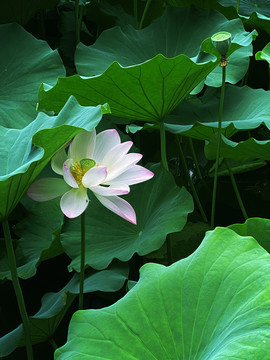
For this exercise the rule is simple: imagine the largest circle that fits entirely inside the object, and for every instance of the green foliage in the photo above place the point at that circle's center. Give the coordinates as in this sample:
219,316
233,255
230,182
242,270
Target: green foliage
156,69
32,148
164,210
54,306
18,88
264,54
38,239
244,109
246,8
213,303
243,151
256,227
158,86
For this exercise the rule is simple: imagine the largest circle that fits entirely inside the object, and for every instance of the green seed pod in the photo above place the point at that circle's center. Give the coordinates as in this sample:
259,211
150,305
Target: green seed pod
222,41
87,164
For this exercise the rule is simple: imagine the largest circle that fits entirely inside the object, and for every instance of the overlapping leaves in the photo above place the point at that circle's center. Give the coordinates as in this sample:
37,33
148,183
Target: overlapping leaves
161,208
167,36
28,150
150,90
247,7
243,151
144,92
24,63
244,109
215,303
54,306
38,239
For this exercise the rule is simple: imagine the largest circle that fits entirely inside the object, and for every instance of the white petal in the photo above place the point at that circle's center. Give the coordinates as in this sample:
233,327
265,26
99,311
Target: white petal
74,202
47,189
118,206
121,166
82,147
58,160
110,191
94,176
116,154
133,175
104,142
68,177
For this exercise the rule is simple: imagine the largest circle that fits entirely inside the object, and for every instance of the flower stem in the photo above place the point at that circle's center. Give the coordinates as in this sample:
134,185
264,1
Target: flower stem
82,260
194,192
194,156
165,165
144,13
17,288
238,196
218,146
238,6
78,20
163,146
195,159
53,344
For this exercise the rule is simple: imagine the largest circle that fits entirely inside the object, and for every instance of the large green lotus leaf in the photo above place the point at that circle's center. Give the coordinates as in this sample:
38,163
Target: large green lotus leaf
167,35
244,109
247,7
146,92
258,228
243,151
24,63
54,306
264,54
38,239
229,12
258,22
161,208
255,13
21,11
25,152
106,13
215,304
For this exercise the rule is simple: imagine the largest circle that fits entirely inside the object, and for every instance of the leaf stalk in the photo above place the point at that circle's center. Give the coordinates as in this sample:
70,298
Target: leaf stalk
17,288
218,145
82,261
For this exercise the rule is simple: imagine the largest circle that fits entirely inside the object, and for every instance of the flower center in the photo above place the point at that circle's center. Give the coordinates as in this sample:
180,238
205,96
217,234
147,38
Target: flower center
78,169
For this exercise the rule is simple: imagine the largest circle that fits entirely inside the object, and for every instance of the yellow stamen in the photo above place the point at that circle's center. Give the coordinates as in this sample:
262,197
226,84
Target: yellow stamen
78,169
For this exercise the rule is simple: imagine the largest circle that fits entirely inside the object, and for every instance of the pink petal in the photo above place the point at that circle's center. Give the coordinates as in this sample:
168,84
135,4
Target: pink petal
74,202
105,141
132,175
68,177
118,206
58,160
110,191
94,176
83,145
47,189
121,166
116,154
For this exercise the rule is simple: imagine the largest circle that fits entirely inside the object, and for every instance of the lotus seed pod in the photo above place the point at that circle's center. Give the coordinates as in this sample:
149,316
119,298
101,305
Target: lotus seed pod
222,41
87,164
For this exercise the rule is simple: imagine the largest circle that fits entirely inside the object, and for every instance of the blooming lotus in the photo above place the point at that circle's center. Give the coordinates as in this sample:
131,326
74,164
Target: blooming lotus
100,163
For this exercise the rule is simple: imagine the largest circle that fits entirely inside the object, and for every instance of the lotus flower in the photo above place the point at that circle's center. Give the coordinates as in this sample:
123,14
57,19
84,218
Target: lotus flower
100,163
